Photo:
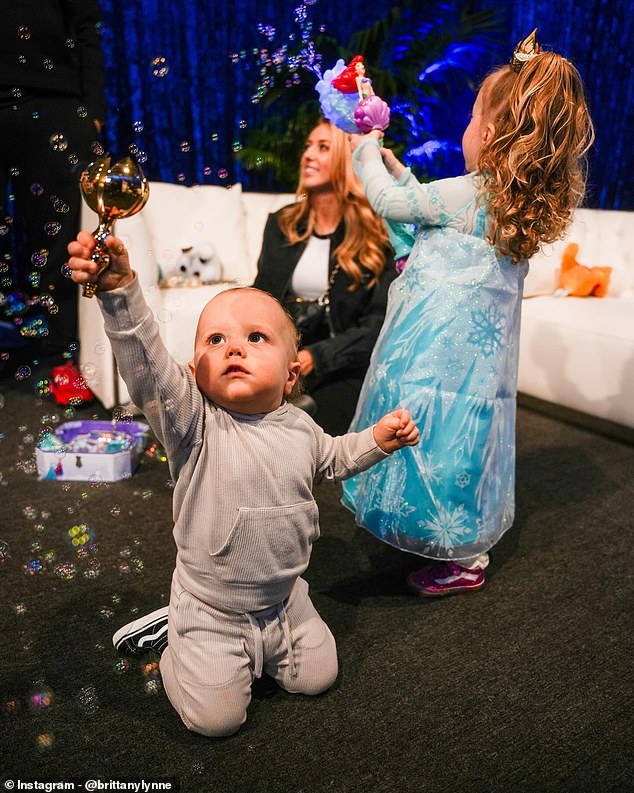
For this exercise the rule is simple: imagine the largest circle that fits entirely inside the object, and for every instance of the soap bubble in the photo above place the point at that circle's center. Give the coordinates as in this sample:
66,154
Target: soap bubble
153,686
160,67
121,666
66,571
41,698
11,707
33,567
58,142
45,741
5,551
88,700
39,258
24,33
52,228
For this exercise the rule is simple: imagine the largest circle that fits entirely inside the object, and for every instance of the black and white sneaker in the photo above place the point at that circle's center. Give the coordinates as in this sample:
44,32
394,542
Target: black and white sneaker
147,633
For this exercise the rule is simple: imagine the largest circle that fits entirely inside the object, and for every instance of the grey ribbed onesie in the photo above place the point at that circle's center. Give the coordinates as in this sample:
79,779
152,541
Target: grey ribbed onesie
245,520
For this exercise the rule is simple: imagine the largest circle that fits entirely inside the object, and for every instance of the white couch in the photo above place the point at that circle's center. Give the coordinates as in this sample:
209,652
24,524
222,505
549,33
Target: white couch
578,352
574,352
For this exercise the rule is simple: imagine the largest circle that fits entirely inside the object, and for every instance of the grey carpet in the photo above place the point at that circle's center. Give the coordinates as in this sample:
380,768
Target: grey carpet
523,686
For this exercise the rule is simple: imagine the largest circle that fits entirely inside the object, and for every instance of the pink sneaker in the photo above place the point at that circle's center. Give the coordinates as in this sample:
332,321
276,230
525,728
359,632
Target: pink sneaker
445,578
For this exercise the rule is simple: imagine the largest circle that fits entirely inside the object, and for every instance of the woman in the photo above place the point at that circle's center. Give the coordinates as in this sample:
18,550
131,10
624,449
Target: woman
330,245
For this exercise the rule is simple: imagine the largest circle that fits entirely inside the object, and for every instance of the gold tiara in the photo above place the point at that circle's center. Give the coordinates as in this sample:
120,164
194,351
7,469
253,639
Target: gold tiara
525,51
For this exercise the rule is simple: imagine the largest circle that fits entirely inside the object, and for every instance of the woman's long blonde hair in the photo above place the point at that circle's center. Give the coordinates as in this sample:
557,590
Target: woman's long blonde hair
365,237
534,168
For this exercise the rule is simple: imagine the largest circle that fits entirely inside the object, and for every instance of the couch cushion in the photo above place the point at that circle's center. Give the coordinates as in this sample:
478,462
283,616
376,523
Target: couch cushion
177,217
579,352
257,208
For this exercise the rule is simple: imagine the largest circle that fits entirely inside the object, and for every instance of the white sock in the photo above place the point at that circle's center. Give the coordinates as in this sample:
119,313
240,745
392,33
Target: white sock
479,562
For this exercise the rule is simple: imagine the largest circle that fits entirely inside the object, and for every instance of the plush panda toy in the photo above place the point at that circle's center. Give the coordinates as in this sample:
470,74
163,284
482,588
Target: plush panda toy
195,265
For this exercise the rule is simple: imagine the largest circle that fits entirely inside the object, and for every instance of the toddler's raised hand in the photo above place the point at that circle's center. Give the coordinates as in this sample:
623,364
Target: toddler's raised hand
118,273
396,430
393,165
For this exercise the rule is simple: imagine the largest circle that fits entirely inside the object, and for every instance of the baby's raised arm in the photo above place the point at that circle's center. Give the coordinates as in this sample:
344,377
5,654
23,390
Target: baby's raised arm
164,391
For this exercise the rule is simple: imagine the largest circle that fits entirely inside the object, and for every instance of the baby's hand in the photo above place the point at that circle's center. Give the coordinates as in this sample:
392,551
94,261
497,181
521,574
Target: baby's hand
396,430
118,273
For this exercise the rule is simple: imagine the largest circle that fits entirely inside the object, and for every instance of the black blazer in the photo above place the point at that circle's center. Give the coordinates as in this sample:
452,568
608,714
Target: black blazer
356,316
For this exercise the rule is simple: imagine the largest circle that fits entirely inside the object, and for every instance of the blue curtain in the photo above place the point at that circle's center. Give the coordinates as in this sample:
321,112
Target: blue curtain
181,76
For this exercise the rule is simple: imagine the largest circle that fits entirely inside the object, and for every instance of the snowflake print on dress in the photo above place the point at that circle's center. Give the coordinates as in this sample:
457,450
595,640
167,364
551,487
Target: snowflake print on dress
489,330
431,469
463,479
380,373
447,527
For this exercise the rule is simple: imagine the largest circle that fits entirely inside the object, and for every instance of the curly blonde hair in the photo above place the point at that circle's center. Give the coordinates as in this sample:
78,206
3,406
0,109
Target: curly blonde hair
534,169
365,237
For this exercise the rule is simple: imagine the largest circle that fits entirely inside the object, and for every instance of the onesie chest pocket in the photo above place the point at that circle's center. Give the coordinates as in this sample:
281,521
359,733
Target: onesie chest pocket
267,544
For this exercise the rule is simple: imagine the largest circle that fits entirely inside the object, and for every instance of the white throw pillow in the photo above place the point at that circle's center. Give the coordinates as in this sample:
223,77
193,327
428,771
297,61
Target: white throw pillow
179,217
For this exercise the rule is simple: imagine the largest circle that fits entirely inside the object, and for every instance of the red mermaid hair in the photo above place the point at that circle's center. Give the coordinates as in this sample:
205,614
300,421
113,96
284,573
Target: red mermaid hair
346,82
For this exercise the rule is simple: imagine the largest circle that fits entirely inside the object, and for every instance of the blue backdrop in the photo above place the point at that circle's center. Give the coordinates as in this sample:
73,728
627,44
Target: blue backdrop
181,75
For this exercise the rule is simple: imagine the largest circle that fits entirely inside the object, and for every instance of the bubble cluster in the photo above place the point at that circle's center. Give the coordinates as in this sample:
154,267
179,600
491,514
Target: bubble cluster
285,62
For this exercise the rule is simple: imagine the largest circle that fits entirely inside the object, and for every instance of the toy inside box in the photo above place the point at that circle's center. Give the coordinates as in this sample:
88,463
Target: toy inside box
91,450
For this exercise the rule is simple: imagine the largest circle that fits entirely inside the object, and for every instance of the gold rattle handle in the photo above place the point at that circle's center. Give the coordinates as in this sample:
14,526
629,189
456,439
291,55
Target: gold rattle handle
100,255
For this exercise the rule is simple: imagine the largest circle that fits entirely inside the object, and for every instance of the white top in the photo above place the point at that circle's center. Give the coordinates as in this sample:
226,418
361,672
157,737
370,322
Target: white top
310,277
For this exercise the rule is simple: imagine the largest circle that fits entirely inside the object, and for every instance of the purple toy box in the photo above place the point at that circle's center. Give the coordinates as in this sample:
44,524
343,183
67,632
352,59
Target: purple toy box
91,450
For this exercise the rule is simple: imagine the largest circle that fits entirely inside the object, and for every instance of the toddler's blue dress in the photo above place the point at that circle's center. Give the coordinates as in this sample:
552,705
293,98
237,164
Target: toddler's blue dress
448,353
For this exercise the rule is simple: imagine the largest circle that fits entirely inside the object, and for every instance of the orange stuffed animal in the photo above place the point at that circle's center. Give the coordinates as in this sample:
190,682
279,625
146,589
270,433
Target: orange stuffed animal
579,281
